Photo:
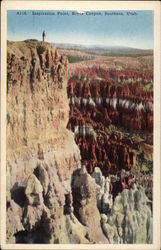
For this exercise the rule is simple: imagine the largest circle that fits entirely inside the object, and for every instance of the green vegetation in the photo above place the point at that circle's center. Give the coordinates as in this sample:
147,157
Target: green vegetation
145,160
125,133
125,55
74,59
146,87
146,164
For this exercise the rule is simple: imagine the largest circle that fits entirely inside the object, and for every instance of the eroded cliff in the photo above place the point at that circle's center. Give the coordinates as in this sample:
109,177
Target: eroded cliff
41,152
51,197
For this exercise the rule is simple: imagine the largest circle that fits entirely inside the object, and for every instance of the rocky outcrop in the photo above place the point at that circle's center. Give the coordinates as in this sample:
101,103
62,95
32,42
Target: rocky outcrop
33,191
110,158
127,218
51,196
130,219
109,152
126,106
33,79
41,152
103,191
14,221
37,110
85,204
97,105
54,214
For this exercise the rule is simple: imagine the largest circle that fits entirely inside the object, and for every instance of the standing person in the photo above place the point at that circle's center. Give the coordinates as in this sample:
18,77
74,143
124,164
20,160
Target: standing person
43,36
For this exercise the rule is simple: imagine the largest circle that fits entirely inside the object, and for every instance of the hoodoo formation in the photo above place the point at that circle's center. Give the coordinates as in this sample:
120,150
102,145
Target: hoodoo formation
117,101
79,150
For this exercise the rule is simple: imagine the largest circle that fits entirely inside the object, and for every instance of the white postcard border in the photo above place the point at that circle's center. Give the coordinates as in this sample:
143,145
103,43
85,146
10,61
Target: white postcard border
84,5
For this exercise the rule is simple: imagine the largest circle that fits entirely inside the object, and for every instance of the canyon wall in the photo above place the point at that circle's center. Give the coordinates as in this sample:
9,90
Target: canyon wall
51,197
41,152
37,113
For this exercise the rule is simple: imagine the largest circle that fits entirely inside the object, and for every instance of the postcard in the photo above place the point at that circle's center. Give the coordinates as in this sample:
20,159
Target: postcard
80,125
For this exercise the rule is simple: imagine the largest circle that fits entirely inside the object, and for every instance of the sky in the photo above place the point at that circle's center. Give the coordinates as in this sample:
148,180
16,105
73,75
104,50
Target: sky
110,28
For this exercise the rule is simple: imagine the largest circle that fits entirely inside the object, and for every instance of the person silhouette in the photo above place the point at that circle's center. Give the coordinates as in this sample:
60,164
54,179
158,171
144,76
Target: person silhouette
43,35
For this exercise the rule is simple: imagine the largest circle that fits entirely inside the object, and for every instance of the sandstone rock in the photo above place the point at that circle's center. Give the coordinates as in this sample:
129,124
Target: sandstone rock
34,191
104,198
40,153
130,217
83,190
61,74
13,221
85,203
97,175
32,216
76,231
68,207
42,176
107,229
37,114
106,202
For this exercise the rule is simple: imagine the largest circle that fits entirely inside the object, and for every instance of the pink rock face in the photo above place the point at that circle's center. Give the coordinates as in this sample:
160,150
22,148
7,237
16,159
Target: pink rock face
39,158
125,104
33,82
98,104
50,198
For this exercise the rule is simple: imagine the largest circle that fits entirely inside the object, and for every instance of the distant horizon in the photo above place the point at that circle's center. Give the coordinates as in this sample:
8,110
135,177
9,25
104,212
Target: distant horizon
85,45
133,31
102,46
